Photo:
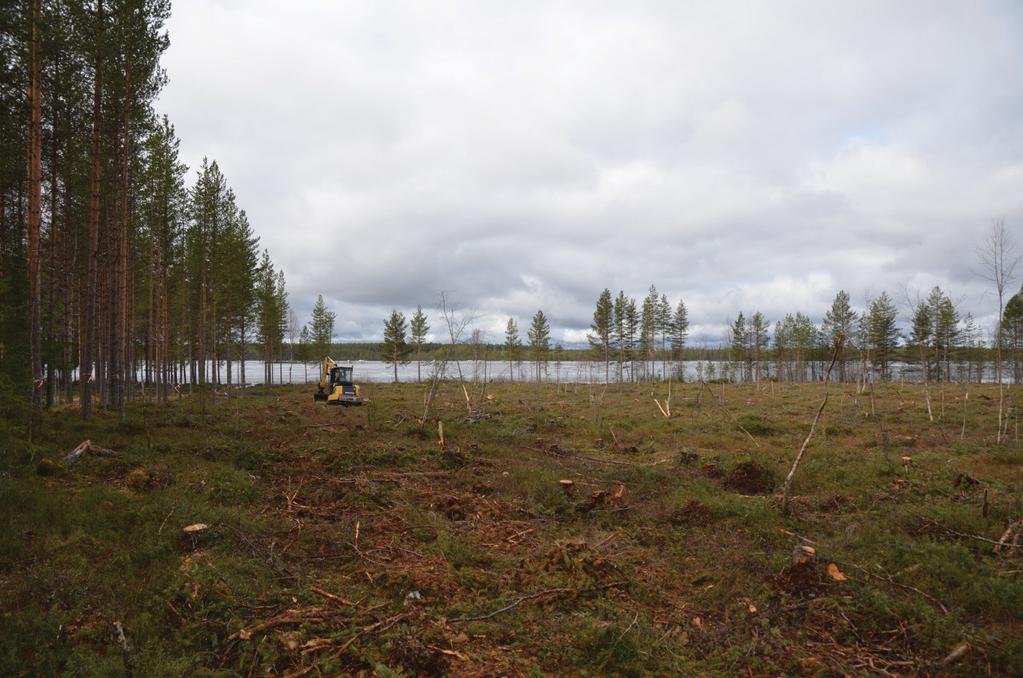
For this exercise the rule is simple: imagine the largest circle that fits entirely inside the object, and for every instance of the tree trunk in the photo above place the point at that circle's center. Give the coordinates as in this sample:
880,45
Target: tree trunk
89,344
34,208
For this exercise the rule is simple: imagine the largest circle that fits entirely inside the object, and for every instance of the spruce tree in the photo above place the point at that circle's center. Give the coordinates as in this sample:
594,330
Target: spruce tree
840,321
321,328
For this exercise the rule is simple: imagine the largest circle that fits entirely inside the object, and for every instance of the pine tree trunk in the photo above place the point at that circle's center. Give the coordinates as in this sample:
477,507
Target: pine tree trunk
89,347
35,208
51,287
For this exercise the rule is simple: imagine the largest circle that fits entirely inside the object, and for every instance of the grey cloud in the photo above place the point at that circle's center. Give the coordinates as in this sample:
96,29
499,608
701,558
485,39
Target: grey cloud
740,155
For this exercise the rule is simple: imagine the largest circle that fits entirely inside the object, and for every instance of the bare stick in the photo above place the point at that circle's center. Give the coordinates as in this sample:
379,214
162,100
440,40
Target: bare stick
531,596
813,427
962,433
734,420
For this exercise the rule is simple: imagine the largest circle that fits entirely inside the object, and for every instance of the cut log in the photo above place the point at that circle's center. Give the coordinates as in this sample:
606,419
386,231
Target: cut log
86,447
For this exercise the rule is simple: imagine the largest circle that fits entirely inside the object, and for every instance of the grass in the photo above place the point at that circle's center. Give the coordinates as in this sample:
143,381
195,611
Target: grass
655,561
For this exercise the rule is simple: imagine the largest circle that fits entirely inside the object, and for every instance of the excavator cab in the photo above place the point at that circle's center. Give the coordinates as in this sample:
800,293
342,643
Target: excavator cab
337,386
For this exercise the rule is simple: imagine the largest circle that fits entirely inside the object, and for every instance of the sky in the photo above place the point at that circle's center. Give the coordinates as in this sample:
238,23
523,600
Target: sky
742,156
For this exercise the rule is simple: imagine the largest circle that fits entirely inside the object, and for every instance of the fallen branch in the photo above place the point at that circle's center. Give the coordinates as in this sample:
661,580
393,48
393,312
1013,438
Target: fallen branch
731,416
86,447
955,655
839,341
888,579
334,597
533,596
1011,537
289,617
378,627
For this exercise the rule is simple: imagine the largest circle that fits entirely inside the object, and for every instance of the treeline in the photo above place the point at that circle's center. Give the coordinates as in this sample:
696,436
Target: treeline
939,345
118,280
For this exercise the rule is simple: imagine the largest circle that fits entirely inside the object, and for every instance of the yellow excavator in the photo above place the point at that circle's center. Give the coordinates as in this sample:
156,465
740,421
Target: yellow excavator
336,386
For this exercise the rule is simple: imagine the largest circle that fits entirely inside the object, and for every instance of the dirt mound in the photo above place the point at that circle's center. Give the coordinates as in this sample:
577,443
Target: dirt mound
802,579
712,470
692,513
419,660
455,508
749,477
685,458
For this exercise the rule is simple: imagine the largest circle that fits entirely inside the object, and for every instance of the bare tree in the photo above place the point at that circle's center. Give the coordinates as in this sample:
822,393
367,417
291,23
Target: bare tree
998,260
456,326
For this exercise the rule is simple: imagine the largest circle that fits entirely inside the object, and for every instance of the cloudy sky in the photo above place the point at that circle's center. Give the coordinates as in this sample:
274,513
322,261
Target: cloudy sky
744,156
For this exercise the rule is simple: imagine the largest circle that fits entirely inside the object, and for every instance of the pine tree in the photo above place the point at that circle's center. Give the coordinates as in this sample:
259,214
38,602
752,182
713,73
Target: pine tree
512,346
419,328
395,347
882,333
759,329
739,345
946,336
632,326
648,329
539,341
1012,334
619,331
920,336
679,331
601,329
664,320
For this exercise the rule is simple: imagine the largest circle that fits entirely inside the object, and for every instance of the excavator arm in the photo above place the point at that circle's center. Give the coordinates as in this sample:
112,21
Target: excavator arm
325,368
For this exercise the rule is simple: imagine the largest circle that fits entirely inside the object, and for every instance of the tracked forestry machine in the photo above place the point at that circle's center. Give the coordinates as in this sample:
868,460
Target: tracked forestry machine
336,386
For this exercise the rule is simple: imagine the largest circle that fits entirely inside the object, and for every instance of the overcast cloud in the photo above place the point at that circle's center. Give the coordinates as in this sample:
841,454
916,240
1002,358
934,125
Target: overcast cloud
753,156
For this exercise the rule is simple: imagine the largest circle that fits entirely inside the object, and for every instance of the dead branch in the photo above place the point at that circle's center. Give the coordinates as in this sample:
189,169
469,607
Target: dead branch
533,596
1010,538
839,341
734,419
86,447
955,655
300,616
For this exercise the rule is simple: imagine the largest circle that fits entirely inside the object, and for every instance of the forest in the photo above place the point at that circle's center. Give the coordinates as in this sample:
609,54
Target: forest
117,262
801,495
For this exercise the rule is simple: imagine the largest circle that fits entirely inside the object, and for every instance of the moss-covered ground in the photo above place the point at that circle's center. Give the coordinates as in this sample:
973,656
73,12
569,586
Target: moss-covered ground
348,541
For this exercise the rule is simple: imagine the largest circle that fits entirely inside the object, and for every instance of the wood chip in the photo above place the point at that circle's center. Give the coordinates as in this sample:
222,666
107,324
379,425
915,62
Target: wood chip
835,573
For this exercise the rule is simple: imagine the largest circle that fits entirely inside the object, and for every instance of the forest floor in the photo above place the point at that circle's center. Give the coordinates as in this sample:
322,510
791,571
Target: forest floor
344,541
